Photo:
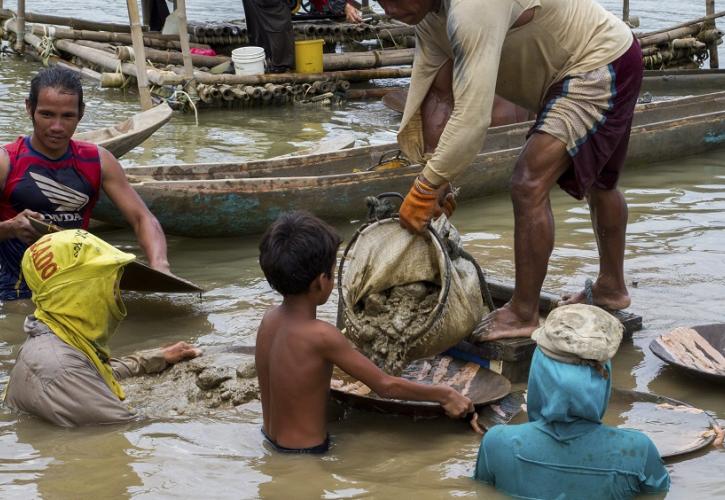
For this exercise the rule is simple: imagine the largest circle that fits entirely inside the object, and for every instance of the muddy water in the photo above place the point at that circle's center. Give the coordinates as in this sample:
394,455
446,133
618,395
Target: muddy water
675,266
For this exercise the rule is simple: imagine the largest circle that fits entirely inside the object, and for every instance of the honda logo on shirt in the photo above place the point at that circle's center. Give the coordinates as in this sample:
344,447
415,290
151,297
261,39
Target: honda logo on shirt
67,199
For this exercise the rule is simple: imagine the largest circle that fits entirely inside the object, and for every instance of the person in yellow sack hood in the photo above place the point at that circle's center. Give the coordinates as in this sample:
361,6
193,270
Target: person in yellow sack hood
64,372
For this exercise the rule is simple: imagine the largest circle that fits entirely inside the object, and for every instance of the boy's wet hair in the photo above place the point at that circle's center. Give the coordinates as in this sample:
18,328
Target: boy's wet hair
59,78
295,250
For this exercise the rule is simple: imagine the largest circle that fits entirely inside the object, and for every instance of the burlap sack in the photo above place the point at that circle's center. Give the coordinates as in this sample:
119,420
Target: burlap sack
384,255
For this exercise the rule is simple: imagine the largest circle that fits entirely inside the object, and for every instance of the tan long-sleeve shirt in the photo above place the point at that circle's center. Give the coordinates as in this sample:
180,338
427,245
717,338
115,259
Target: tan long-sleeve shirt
58,383
565,37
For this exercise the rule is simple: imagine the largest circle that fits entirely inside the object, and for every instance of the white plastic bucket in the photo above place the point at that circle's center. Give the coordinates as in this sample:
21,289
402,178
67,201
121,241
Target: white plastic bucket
248,60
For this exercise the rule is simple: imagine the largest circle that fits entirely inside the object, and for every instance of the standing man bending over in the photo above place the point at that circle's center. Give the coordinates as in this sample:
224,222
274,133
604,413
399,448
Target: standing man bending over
49,175
573,63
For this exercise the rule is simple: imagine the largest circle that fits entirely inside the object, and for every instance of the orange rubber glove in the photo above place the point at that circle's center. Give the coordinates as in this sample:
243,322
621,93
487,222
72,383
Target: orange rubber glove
424,203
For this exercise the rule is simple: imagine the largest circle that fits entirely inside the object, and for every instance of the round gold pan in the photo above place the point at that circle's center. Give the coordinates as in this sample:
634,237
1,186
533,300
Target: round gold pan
699,350
481,385
137,276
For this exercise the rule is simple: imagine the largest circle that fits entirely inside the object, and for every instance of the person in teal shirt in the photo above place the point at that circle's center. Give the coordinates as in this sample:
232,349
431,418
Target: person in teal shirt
565,451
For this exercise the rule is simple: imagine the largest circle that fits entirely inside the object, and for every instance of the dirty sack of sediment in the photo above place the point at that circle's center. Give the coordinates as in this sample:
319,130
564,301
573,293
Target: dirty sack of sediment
392,320
209,384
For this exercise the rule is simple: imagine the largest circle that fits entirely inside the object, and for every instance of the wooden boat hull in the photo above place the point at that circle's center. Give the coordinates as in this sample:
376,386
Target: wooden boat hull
663,82
699,350
210,200
121,138
674,82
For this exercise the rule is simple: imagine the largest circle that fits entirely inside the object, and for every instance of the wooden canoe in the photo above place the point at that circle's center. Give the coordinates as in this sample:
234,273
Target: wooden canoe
122,137
684,81
226,199
699,350
667,82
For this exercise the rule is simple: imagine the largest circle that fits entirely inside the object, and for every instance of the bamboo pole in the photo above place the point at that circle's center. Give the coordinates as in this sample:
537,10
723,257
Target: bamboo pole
371,59
372,93
279,78
35,42
184,39
711,17
111,63
139,50
625,11
69,21
714,58
105,47
668,36
168,57
86,53
20,42
149,39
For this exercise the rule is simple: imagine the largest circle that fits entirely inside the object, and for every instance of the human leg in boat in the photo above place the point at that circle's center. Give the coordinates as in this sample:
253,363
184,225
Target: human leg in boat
609,219
542,161
580,138
608,140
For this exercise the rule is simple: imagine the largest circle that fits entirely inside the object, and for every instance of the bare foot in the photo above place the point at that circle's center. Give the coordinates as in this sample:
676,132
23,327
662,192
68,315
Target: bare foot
601,296
504,323
180,351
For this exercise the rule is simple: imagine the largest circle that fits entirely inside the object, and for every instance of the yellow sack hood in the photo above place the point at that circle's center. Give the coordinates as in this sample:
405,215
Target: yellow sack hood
74,279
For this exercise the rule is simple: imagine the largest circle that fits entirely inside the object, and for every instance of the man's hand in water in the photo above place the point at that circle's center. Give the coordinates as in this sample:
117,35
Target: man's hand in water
180,351
19,227
424,203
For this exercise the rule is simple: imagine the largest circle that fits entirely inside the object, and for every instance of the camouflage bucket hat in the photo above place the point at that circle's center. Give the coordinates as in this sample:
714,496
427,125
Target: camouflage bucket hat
582,331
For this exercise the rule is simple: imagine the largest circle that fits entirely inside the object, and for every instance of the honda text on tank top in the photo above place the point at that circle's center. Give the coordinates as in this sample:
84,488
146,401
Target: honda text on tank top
63,190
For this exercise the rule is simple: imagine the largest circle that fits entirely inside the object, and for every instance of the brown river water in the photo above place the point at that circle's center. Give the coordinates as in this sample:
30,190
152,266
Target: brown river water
675,266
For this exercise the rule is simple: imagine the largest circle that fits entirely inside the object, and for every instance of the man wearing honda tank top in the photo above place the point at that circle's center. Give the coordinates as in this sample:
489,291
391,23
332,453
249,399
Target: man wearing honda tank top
50,176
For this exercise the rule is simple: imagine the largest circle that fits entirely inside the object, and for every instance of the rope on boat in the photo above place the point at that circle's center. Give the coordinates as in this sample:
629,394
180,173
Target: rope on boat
46,50
185,94
126,79
392,38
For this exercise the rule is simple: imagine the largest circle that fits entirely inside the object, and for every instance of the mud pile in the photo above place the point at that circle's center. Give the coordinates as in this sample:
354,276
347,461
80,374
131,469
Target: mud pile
205,385
392,320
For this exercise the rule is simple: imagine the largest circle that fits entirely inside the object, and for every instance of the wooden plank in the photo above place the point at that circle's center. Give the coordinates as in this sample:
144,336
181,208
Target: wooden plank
502,293
512,357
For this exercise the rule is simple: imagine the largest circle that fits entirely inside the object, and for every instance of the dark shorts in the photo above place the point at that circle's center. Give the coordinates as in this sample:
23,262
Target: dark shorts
592,114
313,450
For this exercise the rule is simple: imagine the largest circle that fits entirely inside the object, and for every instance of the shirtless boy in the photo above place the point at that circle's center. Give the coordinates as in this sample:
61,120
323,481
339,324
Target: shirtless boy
296,352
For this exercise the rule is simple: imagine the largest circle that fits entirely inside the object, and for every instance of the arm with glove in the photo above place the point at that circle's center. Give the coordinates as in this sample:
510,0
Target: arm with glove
457,138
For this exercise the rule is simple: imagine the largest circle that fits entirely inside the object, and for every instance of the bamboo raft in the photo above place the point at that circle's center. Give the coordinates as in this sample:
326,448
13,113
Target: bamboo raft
105,52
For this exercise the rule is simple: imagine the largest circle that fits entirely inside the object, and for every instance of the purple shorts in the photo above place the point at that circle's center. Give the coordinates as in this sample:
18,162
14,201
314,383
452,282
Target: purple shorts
592,114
